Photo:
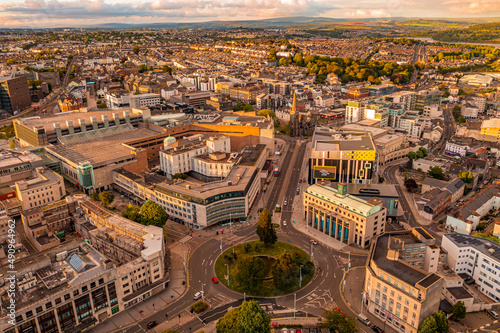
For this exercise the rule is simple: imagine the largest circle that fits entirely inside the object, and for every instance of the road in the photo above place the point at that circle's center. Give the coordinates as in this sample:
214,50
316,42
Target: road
322,292
49,103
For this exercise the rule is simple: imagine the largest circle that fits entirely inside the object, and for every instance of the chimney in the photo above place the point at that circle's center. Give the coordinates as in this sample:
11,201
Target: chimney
83,127
93,120
105,120
71,129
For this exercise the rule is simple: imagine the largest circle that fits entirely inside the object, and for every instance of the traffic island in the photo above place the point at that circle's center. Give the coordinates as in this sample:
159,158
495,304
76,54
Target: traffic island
255,270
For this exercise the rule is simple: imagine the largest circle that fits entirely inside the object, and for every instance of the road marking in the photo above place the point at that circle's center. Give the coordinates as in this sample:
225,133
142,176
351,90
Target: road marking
203,262
211,261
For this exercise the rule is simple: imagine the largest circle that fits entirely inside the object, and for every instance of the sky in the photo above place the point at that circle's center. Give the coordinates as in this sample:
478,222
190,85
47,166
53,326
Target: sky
60,13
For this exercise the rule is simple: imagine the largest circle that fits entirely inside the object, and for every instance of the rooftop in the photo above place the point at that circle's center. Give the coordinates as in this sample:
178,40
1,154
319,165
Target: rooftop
485,246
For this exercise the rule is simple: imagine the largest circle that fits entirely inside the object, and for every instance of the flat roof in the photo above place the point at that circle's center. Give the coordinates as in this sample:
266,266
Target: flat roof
375,131
384,190
459,293
396,268
48,122
101,150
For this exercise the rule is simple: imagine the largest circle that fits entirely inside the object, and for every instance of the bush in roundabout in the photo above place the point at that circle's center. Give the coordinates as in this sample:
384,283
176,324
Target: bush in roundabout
265,271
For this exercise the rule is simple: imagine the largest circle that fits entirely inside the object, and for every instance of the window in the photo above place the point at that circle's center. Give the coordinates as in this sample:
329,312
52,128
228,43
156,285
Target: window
66,297
76,292
408,249
84,289
29,314
92,284
39,309
48,305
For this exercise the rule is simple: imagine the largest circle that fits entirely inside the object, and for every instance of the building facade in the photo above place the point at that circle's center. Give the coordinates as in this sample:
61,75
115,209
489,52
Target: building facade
396,288
14,94
348,219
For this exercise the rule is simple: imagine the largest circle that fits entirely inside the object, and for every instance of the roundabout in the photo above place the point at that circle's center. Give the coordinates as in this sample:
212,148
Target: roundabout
255,270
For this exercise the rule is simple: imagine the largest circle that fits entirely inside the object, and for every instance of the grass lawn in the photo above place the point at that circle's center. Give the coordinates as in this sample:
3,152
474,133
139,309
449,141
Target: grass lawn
267,289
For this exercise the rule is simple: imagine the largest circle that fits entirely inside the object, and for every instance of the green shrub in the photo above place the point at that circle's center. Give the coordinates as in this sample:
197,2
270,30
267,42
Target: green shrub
199,306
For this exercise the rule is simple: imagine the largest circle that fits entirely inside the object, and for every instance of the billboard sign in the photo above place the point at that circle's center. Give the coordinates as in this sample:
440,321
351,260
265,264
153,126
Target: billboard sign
325,172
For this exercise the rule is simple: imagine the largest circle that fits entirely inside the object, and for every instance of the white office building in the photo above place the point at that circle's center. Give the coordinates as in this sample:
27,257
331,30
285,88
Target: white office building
476,257
144,100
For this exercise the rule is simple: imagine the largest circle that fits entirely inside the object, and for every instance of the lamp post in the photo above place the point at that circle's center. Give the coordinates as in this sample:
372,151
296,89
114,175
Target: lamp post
202,292
294,304
221,243
300,280
227,266
362,301
311,250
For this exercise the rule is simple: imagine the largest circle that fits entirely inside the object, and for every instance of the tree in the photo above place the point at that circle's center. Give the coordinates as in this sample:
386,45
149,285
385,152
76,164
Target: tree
131,212
466,176
102,105
424,151
11,61
436,323
436,172
180,176
106,198
336,321
142,68
420,154
412,155
136,49
266,112
251,273
283,62
12,144
285,272
249,317
94,196
411,184
298,59
253,319
459,310
265,229
167,69
272,55
153,214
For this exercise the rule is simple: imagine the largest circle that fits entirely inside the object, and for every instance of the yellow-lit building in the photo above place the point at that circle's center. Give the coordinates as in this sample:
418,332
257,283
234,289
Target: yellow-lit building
344,217
397,289
342,156
491,127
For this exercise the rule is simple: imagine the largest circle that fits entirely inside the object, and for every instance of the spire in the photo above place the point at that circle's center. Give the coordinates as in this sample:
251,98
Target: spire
294,105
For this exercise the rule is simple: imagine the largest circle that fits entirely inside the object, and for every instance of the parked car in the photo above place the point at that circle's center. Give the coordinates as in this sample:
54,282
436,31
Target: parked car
214,280
313,242
284,222
377,329
152,324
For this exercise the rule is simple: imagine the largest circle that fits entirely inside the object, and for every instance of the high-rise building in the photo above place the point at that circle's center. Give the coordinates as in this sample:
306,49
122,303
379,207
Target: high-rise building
14,94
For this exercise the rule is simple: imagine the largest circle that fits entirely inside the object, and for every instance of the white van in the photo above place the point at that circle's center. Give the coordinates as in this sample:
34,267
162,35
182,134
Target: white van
492,314
364,319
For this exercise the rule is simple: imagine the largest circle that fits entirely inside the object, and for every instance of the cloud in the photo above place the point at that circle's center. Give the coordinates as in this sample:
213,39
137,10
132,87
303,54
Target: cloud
472,6
83,11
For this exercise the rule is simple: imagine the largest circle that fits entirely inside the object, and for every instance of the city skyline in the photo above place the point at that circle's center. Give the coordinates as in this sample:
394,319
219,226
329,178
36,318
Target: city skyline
53,13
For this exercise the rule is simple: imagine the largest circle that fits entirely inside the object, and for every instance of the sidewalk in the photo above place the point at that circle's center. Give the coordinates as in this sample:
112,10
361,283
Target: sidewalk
146,308
299,222
352,295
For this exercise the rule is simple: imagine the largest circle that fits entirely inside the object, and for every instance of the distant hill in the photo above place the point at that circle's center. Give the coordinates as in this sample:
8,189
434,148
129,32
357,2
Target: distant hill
478,33
265,23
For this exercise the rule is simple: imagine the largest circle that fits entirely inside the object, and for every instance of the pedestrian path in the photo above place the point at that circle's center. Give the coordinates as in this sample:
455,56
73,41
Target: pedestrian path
185,239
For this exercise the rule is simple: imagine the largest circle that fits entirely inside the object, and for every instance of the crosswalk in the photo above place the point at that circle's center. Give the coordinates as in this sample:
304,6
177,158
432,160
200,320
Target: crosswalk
185,239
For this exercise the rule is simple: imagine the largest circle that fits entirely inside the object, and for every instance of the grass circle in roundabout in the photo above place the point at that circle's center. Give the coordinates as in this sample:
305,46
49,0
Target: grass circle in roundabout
264,271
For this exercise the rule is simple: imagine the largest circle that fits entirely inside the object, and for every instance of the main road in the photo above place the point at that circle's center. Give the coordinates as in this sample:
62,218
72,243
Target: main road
322,292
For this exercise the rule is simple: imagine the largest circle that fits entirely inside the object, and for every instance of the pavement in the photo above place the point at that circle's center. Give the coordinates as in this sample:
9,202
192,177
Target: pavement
352,295
148,307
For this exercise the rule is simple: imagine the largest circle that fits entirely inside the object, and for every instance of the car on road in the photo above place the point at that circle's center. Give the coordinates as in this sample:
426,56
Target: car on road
284,203
298,190
214,280
152,324
300,180
199,295
313,242
377,329
284,222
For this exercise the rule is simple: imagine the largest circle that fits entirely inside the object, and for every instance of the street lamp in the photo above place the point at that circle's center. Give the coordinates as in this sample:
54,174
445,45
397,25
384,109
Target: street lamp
300,281
294,303
227,266
202,292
